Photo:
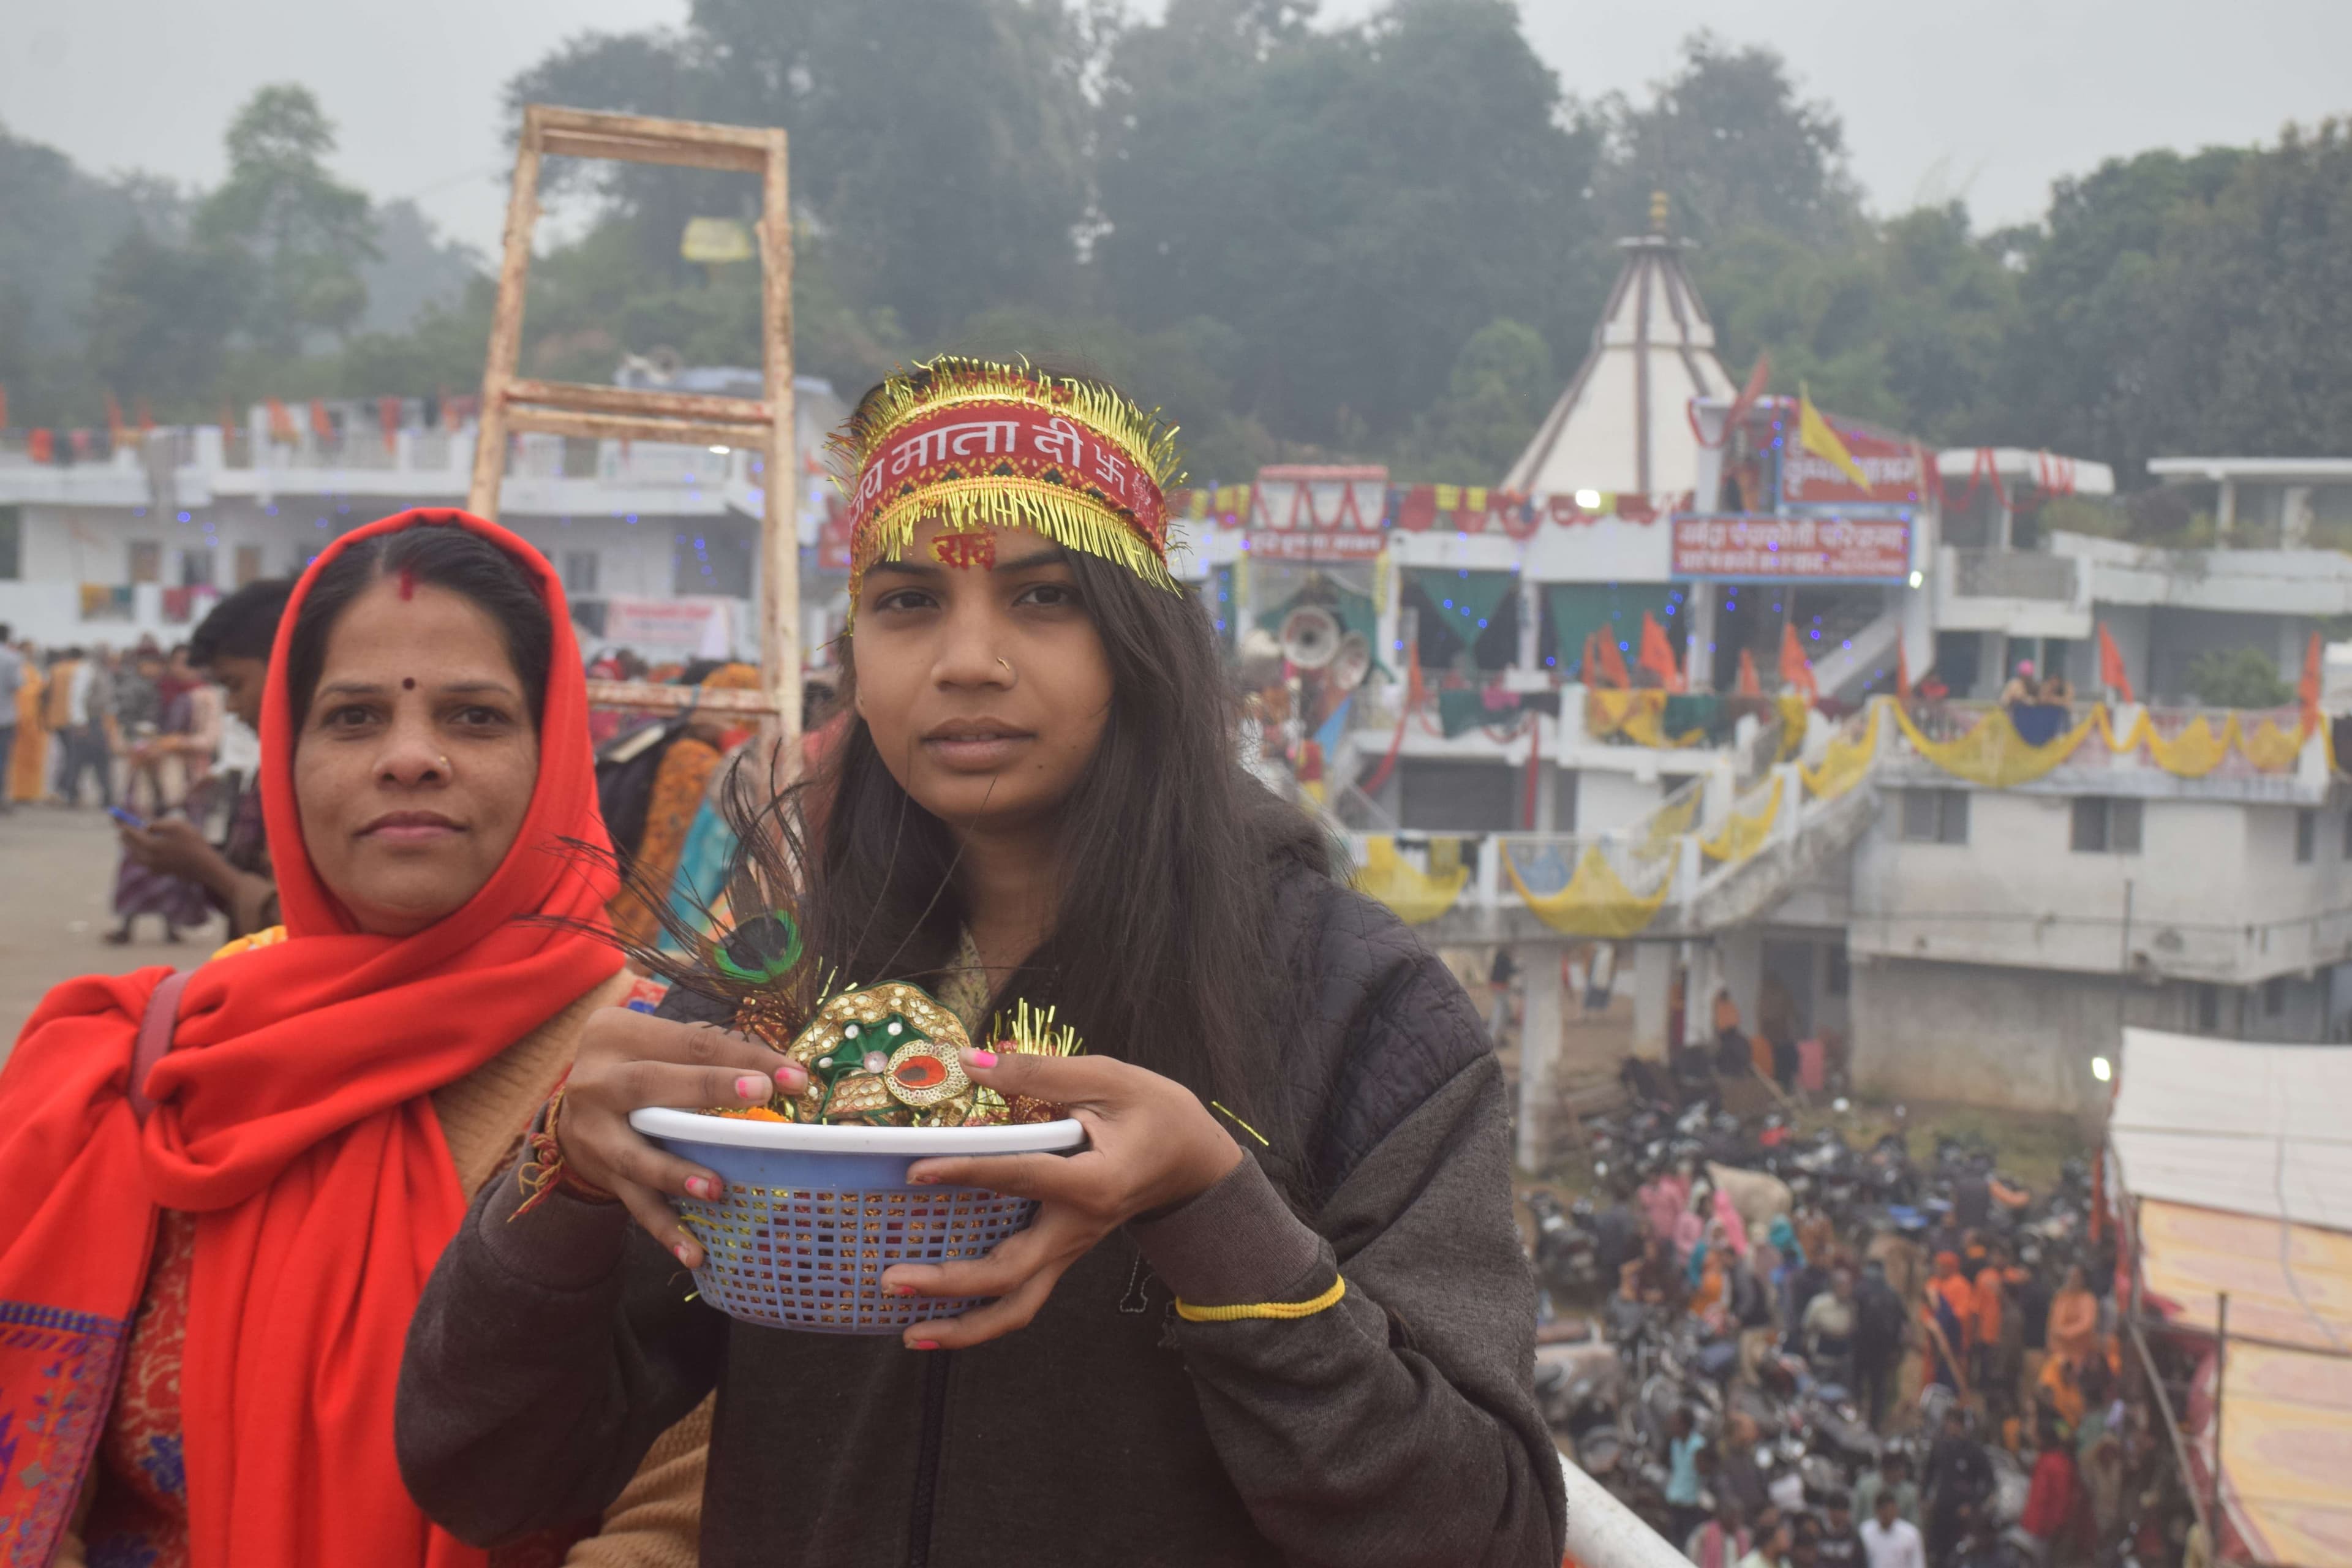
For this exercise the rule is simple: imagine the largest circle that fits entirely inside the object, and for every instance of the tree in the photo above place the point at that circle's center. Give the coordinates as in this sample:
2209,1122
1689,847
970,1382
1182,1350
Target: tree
946,173
307,234
158,320
2238,678
1734,149
1352,204
1501,386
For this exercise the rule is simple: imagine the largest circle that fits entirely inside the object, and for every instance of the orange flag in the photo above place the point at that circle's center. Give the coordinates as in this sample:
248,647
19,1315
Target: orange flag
2112,672
1658,653
1796,669
281,422
1613,663
2308,690
1902,672
320,426
387,416
1749,686
115,427
143,414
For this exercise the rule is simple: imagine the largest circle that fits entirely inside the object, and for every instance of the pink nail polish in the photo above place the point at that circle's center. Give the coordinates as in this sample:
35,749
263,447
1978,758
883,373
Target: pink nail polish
751,1085
980,1058
701,1187
903,1290
926,1344
685,1253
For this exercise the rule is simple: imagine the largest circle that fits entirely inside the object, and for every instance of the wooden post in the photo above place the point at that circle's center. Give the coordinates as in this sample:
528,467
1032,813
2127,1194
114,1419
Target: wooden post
779,540
763,426
506,326
2213,1474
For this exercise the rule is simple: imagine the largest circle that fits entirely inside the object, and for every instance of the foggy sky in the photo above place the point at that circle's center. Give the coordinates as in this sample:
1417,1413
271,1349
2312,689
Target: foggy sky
1983,100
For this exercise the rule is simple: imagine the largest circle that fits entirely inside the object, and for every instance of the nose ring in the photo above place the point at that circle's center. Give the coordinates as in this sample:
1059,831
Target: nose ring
1011,671
444,765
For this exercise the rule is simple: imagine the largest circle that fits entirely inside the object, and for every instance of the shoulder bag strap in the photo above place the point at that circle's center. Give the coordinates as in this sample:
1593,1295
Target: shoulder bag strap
155,1030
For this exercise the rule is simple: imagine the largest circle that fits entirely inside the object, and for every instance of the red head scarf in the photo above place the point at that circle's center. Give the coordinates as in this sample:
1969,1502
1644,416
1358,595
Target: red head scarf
294,1118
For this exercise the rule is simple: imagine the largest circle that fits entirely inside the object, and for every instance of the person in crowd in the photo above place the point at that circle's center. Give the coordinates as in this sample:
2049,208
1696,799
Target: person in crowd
2054,1507
12,683
1722,1540
1616,1230
1734,1057
1958,1480
1736,1474
1888,1482
1040,727
1839,1544
2057,690
1992,1331
167,764
2072,1329
2023,689
241,1173
1827,1331
2098,1439
1685,1512
1664,1198
232,647
78,703
680,786
1947,1313
28,779
1805,1543
1772,1546
1881,1327
1889,1540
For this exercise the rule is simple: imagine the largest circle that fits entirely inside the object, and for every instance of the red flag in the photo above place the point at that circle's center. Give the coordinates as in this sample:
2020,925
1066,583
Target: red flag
281,422
41,445
2112,673
320,426
1613,663
387,415
1796,669
2308,690
1902,672
1758,380
1749,686
1658,655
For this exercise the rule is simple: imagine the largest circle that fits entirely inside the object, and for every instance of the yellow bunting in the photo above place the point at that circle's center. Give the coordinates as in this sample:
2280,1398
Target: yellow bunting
1796,712
1639,716
1993,754
1417,896
1845,762
1743,835
1668,822
2270,748
1596,902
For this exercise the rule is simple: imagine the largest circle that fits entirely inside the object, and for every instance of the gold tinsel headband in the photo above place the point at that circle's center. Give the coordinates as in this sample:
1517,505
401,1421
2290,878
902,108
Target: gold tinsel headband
980,446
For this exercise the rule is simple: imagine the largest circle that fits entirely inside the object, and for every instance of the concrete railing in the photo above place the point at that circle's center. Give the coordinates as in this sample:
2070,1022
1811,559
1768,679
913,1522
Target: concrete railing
1603,1532
2014,574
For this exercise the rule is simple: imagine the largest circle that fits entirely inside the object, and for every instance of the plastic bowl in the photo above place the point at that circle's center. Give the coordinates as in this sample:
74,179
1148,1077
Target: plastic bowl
814,1214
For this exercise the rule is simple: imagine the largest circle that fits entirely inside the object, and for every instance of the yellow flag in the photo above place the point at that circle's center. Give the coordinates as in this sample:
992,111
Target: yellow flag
1814,432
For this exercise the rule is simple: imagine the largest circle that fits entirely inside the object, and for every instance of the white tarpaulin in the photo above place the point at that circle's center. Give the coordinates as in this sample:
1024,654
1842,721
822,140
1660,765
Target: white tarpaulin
2246,1129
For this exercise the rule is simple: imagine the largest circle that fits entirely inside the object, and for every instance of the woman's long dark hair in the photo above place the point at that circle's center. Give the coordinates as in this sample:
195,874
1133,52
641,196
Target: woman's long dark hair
1164,951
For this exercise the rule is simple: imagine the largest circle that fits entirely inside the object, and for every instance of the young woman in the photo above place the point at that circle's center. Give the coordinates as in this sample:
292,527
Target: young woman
1315,1347
223,1189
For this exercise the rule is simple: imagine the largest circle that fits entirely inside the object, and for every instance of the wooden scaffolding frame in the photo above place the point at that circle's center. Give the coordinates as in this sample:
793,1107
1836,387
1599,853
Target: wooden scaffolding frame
512,404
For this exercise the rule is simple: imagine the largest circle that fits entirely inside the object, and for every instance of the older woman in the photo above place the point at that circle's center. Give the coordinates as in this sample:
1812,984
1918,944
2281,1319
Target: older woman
225,1187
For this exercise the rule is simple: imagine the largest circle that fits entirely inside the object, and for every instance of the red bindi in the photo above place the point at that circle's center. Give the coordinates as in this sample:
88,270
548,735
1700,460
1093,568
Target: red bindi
408,587
409,684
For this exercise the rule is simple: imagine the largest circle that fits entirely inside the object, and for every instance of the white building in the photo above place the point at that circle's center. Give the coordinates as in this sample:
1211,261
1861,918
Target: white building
657,544
1975,924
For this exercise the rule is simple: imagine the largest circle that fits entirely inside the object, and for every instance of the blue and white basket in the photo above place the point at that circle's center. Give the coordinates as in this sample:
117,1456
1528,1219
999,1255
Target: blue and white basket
814,1214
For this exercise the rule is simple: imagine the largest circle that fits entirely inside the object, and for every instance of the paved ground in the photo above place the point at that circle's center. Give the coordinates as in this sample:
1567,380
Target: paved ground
56,880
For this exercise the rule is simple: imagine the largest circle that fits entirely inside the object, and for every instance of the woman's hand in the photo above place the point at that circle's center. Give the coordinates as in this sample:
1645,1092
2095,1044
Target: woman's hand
1151,1144
175,847
629,1060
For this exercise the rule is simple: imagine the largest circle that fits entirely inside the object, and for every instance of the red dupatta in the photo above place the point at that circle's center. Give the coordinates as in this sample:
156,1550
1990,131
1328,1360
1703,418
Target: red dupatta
294,1118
